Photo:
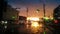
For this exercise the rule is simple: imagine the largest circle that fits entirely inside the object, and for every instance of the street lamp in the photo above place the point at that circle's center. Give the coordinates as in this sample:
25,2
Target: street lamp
37,10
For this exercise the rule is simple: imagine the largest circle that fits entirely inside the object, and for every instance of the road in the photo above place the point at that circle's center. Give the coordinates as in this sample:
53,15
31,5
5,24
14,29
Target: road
28,29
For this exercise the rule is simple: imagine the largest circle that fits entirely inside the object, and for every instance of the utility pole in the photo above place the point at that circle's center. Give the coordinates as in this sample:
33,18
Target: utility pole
27,11
44,9
44,16
17,14
27,16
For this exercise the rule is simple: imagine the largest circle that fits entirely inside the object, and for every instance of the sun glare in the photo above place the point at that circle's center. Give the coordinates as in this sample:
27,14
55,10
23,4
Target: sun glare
33,18
35,24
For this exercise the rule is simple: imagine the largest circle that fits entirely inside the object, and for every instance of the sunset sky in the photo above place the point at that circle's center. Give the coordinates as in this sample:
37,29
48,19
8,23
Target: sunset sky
33,5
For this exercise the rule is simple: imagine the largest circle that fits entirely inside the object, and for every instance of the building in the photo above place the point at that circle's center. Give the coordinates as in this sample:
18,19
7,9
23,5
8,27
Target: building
3,5
10,14
56,13
56,20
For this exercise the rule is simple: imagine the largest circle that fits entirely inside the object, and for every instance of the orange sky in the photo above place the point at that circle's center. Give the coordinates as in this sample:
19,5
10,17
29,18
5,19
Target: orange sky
33,5
32,11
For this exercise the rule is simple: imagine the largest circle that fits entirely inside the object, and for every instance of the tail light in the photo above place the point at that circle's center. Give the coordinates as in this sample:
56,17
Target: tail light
56,21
